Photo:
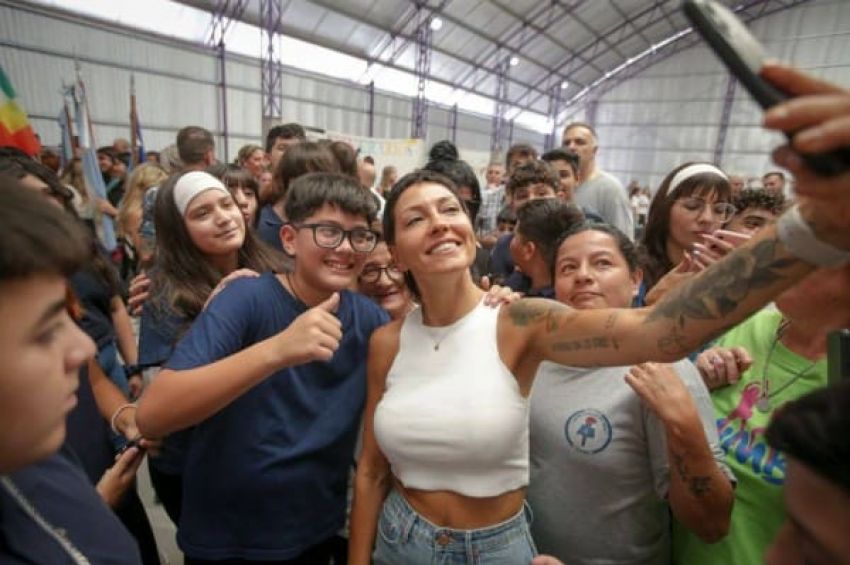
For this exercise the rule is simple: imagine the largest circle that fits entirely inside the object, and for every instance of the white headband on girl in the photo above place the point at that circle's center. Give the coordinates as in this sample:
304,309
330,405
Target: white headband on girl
692,170
192,184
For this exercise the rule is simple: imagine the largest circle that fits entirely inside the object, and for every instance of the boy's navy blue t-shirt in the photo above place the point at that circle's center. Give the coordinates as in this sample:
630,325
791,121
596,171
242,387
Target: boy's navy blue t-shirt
61,493
159,329
266,477
268,227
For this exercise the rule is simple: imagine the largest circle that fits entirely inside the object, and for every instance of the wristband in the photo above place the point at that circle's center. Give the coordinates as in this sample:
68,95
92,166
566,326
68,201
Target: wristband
118,413
801,242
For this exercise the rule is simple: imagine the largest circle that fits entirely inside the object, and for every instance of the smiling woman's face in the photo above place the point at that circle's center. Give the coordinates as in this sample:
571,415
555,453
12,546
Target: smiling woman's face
591,272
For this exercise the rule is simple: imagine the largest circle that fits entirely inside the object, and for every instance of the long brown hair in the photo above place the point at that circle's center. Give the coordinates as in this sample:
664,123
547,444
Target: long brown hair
654,259
183,278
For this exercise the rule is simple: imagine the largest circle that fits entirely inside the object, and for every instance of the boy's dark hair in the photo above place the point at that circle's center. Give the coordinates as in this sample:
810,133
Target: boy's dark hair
106,150
443,150
15,166
285,131
306,157
369,159
559,154
506,214
761,200
814,431
37,237
627,248
542,221
308,193
520,150
193,143
345,155
533,172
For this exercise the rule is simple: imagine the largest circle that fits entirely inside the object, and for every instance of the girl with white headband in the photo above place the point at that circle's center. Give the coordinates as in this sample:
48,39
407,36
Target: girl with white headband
693,201
201,239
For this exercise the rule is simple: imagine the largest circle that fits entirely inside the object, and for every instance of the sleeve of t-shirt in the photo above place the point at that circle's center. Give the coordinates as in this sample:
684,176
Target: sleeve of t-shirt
618,210
221,330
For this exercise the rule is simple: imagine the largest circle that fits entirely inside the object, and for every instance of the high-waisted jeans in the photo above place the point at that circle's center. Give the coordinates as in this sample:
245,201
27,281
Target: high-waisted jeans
406,538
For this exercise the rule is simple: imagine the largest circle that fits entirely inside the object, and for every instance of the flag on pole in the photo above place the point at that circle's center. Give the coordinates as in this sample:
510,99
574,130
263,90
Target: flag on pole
15,129
137,143
85,143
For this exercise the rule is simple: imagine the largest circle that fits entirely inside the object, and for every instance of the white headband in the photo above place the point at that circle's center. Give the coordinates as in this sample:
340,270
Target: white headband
691,170
192,184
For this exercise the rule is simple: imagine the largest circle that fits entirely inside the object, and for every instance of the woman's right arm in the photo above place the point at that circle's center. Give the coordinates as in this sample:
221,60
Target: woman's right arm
178,399
372,480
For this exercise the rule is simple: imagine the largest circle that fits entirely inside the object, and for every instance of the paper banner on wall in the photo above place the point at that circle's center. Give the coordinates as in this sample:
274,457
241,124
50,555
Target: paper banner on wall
404,154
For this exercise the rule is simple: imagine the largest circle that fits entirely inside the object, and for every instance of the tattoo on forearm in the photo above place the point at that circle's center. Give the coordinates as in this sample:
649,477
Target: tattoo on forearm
526,313
698,485
612,319
598,342
719,291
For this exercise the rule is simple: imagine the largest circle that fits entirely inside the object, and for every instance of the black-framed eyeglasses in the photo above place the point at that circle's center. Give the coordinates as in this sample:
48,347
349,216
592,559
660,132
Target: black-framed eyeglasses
329,236
372,273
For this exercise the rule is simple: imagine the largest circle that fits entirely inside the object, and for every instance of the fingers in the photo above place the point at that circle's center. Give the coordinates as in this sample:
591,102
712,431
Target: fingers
743,358
331,304
718,246
733,238
484,283
828,135
703,257
127,462
793,81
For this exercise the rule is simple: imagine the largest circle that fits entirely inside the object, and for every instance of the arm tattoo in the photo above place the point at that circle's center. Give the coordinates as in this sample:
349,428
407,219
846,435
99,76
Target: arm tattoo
598,342
699,485
719,291
528,312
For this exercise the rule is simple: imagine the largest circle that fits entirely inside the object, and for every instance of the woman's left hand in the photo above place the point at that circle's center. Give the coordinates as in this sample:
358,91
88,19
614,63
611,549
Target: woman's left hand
662,390
497,295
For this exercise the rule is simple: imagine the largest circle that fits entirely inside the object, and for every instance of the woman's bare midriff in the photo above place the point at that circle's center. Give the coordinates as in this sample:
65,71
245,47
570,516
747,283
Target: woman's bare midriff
452,510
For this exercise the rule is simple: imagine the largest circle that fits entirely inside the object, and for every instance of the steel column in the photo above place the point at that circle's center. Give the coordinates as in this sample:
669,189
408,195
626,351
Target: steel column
500,110
270,67
224,128
419,120
453,123
724,120
554,109
371,90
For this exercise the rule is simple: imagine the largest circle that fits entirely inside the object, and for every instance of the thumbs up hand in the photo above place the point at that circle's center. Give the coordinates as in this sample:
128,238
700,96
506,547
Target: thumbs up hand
314,335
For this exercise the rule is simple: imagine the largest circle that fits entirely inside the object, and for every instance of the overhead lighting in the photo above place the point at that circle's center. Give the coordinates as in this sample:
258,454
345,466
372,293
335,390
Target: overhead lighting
514,61
436,24
564,85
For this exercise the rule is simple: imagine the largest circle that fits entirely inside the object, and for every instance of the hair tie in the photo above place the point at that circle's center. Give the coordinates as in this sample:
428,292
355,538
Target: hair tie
192,184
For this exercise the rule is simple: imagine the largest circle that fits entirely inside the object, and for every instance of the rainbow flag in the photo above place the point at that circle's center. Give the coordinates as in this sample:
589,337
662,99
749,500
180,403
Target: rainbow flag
15,129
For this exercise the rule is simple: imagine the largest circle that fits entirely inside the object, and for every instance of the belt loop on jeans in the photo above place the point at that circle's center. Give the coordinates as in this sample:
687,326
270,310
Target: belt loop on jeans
408,521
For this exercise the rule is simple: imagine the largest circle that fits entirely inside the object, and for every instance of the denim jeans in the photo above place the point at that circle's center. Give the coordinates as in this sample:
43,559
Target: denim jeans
406,538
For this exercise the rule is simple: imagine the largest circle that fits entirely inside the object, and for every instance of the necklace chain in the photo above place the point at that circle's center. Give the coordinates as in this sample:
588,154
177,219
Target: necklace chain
763,403
75,554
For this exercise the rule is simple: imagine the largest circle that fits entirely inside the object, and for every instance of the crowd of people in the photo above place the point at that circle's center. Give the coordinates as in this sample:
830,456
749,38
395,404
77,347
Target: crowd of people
331,363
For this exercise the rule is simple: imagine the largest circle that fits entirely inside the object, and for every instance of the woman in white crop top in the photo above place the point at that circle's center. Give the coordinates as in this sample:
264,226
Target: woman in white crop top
445,428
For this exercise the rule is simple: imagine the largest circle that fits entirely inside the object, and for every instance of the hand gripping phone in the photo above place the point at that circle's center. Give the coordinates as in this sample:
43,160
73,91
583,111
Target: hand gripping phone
743,55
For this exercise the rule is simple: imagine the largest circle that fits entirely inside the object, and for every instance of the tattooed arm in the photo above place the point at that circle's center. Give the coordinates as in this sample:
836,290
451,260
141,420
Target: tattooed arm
690,315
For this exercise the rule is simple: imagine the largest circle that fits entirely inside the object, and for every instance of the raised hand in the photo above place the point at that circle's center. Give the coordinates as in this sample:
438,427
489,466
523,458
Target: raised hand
314,335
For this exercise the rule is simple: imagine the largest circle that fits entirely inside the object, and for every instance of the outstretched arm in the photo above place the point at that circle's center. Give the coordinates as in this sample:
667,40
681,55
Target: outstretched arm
688,316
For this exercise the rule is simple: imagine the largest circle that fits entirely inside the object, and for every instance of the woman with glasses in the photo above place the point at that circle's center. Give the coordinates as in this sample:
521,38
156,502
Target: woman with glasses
382,281
693,201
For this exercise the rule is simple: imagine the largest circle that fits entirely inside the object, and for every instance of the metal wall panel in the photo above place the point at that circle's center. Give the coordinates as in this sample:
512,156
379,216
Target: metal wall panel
177,84
671,112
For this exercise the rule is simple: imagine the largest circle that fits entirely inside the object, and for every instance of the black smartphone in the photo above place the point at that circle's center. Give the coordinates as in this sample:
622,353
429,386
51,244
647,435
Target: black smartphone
744,56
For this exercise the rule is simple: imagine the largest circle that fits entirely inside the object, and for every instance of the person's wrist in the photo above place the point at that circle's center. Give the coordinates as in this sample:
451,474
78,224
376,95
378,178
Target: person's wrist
811,238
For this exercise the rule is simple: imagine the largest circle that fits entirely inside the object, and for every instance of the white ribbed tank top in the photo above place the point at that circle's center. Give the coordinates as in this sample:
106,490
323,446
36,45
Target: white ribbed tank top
452,416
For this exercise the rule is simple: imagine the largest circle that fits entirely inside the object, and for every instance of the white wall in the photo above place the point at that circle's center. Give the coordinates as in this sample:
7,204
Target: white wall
177,85
670,113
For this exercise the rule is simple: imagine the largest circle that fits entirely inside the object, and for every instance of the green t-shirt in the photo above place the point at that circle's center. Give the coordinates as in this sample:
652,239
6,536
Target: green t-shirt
759,510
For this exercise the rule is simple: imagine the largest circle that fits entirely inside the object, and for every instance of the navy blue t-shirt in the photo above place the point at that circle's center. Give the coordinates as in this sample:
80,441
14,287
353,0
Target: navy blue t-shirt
266,477
159,330
95,297
61,494
268,227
